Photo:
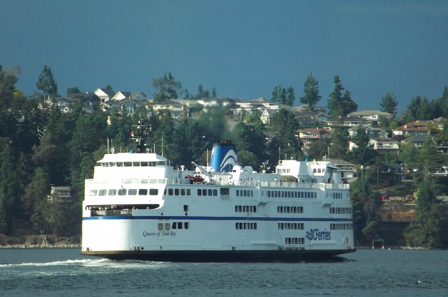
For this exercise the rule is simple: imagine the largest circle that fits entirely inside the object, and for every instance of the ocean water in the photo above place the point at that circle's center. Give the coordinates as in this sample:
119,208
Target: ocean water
64,272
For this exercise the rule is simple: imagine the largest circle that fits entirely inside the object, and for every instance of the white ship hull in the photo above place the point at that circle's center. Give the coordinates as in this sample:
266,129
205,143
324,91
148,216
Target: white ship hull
253,218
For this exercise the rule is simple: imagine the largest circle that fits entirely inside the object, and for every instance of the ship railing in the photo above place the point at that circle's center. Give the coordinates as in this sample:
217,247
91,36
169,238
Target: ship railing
282,184
127,181
111,213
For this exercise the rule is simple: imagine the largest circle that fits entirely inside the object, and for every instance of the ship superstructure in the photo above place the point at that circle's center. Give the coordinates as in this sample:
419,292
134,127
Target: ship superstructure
139,207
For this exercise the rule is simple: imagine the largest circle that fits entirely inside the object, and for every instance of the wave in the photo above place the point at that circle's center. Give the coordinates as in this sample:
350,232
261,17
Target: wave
92,263
55,263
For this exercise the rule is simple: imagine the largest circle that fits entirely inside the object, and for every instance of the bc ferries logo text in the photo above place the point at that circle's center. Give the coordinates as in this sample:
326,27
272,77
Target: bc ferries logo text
315,234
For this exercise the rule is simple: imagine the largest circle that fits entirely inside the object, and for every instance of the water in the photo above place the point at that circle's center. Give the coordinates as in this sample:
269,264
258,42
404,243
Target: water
63,272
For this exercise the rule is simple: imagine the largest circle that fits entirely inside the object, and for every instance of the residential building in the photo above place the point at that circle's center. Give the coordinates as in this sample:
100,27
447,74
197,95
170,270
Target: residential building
347,169
417,140
60,194
176,107
136,96
310,135
371,115
266,116
349,121
372,132
104,94
381,145
412,128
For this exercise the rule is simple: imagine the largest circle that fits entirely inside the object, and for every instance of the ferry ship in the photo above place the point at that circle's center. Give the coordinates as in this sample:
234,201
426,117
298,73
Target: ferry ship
138,207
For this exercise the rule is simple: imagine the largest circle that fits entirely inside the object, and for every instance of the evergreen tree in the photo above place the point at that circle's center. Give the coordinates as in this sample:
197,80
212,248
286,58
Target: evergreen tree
35,195
318,149
8,79
362,154
411,113
73,90
365,210
429,159
166,87
389,104
311,92
424,112
283,96
275,97
290,96
339,144
348,105
335,100
285,126
47,84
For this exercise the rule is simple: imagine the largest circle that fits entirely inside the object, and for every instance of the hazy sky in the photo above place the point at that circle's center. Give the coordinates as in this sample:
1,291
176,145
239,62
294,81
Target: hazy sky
243,48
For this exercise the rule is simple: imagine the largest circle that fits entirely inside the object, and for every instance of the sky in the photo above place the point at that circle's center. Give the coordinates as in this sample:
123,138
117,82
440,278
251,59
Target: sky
242,48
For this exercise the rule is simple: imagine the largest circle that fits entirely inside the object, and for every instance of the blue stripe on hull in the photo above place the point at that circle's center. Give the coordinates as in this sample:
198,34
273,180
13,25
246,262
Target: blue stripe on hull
216,218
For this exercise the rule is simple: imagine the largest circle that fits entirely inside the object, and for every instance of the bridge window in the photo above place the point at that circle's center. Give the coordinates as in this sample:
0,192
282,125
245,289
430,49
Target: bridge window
93,192
102,193
132,192
121,192
143,192
112,192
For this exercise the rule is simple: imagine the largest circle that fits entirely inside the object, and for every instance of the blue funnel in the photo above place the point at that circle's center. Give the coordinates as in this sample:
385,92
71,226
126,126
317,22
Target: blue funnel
224,156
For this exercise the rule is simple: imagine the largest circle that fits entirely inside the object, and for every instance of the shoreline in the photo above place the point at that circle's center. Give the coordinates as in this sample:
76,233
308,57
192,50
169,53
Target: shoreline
39,242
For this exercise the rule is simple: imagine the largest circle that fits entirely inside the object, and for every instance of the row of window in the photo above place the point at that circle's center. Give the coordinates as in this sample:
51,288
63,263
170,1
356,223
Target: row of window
178,192
132,164
290,226
318,170
341,226
336,195
291,194
246,226
245,193
245,208
294,240
124,192
289,209
340,210
207,192
174,225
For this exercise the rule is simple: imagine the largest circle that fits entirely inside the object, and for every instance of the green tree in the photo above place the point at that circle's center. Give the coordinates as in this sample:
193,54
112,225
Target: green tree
363,153
285,126
348,105
424,112
412,110
167,88
339,144
389,104
35,195
283,96
428,160
73,90
335,100
290,96
319,148
311,91
366,204
8,79
429,228
47,84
